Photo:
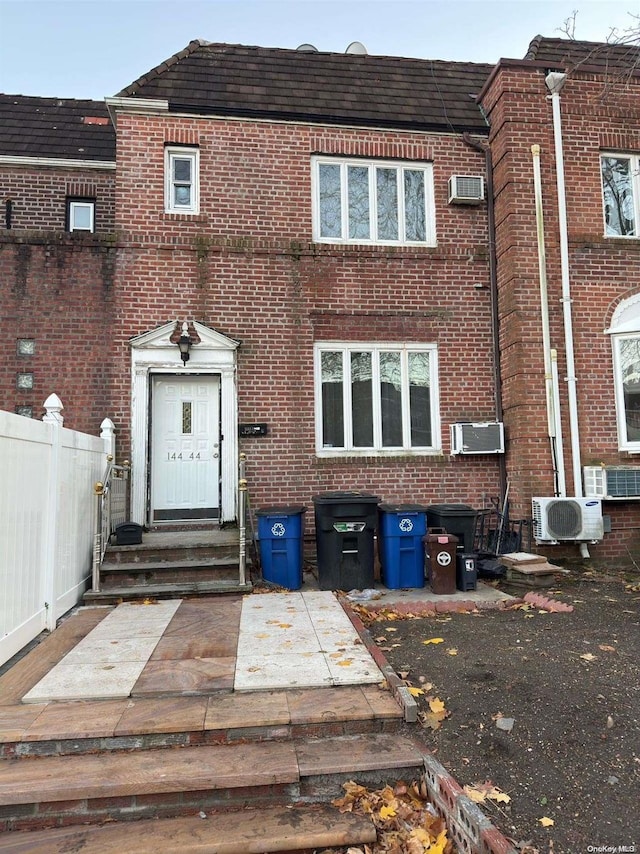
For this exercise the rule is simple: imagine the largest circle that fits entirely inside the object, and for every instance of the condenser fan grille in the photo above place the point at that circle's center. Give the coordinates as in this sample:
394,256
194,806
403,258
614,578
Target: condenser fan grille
564,519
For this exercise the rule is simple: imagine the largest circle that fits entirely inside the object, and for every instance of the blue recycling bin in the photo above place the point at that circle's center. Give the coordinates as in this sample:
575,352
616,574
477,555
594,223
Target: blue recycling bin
402,527
281,536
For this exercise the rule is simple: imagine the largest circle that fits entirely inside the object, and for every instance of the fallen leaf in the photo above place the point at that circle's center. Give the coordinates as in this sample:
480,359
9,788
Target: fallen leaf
387,812
606,648
436,705
415,692
588,656
433,640
480,792
452,651
546,822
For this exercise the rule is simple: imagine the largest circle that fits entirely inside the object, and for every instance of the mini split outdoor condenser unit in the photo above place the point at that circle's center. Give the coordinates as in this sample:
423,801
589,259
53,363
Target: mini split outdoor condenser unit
477,438
466,189
615,483
567,519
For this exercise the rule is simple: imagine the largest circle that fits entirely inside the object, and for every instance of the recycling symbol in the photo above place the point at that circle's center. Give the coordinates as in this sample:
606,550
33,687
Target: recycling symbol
444,558
278,530
405,525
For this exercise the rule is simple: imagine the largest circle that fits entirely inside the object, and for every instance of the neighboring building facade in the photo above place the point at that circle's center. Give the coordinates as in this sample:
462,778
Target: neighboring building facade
318,222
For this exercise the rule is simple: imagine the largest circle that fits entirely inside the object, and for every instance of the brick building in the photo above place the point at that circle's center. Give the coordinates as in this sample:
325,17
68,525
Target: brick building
350,291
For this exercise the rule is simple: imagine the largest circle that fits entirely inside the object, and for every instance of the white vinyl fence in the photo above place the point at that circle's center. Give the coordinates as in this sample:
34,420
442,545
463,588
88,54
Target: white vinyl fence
47,519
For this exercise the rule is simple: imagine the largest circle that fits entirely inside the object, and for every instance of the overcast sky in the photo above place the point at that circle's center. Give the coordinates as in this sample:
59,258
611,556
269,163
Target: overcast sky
94,48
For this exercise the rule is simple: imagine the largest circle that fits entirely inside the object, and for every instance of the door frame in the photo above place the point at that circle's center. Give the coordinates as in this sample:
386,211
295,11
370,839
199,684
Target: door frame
154,353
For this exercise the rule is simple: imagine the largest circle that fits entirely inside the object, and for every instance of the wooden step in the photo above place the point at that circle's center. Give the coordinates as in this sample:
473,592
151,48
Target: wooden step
113,595
54,790
133,573
247,832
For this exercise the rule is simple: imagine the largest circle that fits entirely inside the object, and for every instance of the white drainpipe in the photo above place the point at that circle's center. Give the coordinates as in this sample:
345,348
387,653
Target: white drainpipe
555,81
554,427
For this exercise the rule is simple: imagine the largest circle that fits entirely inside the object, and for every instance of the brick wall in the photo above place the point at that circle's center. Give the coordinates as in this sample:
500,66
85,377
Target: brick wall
247,267
58,291
38,196
596,116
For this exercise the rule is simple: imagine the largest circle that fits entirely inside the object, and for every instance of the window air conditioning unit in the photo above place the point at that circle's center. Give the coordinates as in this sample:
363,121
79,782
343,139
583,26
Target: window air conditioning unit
567,519
481,438
466,189
615,483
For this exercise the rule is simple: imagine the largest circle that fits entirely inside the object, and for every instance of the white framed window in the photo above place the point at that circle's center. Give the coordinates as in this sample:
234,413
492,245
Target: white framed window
621,194
81,214
361,201
376,398
182,192
625,339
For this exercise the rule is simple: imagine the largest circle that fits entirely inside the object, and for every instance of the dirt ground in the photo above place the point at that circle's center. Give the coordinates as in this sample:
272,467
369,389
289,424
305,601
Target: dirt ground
546,706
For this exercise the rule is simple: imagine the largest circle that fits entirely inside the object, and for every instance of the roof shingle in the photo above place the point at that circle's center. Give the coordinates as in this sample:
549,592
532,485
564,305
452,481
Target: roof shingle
55,128
332,88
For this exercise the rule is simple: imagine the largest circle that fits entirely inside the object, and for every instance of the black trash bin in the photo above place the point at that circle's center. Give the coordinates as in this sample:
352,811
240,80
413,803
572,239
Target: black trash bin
466,571
457,519
345,527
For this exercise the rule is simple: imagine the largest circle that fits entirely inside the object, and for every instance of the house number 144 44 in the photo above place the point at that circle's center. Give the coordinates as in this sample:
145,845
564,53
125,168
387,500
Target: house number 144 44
183,456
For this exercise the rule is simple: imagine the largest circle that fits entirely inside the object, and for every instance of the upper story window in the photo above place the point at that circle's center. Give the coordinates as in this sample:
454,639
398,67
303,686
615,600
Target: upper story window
621,194
360,201
182,180
373,398
81,214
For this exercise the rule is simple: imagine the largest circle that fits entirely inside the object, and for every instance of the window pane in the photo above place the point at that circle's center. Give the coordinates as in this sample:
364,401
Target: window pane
391,399
181,169
182,196
80,217
361,400
186,418
330,204
387,197
414,208
332,399
420,399
618,196
630,363
359,225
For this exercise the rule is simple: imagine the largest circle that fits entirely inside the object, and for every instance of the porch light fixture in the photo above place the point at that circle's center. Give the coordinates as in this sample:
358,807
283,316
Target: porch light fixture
184,343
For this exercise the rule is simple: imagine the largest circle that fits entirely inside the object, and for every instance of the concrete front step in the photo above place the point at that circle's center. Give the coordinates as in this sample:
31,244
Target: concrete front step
136,573
250,831
177,590
55,790
75,728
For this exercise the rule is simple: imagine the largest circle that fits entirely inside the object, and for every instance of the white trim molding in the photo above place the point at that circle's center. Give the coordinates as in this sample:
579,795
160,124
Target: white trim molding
154,353
60,162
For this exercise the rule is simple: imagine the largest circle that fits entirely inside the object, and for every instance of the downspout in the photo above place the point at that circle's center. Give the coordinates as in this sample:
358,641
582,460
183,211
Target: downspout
554,427
493,285
555,81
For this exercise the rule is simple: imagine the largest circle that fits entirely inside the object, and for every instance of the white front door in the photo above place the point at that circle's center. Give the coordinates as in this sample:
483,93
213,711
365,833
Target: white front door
185,447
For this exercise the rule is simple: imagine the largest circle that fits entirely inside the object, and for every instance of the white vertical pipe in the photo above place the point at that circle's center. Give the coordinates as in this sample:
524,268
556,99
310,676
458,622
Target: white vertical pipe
554,427
555,81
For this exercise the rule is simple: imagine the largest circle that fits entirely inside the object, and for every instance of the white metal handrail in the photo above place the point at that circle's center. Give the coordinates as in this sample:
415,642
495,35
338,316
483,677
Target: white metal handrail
112,508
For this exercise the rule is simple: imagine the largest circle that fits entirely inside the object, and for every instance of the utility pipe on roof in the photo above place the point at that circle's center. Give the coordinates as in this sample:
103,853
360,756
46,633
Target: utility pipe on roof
555,81
554,426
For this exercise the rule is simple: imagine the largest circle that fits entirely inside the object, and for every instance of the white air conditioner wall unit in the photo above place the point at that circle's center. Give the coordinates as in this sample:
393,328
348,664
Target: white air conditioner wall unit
466,189
567,520
485,437
615,483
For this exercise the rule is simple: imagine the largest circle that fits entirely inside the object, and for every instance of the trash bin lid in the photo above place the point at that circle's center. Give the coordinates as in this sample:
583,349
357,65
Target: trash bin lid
337,497
451,508
442,538
402,508
293,510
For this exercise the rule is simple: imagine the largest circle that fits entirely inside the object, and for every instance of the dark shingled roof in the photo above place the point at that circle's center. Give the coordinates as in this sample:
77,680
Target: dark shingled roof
55,127
336,88
598,56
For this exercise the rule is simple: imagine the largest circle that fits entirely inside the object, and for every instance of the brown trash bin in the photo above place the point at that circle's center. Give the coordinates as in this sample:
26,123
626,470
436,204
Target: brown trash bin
441,561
